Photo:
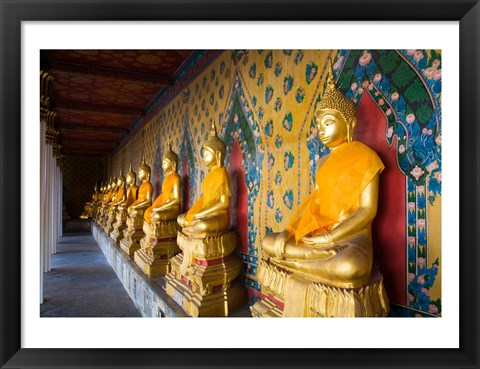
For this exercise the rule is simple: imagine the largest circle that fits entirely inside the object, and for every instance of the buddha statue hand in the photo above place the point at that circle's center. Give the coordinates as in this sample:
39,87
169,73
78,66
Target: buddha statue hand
323,239
279,244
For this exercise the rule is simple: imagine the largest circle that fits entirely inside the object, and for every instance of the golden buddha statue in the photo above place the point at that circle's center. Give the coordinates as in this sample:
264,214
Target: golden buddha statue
167,205
107,198
210,214
90,206
321,264
134,233
99,202
204,279
160,222
120,197
122,206
113,191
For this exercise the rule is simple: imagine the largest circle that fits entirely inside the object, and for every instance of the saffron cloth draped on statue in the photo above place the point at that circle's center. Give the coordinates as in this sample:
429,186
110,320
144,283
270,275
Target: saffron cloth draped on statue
340,183
167,194
215,184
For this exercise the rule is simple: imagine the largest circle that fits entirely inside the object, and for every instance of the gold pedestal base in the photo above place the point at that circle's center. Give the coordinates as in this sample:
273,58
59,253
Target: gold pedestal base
109,227
119,227
204,279
157,248
195,304
291,296
132,236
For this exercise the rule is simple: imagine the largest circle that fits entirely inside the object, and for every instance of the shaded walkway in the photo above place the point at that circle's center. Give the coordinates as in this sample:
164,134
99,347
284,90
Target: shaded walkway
82,283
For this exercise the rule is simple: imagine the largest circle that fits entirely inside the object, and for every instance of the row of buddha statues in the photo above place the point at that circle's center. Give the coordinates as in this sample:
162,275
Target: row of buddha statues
321,265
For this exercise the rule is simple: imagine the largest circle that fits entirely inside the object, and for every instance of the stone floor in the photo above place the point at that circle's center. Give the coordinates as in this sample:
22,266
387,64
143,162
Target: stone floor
82,283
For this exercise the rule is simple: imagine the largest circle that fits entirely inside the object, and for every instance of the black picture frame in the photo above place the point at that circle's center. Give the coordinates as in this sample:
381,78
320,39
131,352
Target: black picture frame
14,12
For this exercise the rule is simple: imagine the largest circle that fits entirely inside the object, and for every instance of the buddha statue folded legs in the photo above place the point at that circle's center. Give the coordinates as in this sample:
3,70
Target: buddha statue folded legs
134,232
204,275
160,223
322,263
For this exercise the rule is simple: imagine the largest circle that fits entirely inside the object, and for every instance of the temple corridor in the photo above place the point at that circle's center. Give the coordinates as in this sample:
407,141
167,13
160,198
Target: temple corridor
82,283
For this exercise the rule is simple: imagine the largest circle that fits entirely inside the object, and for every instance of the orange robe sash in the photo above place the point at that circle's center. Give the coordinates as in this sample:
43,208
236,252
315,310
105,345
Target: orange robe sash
145,188
215,184
341,181
118,197
131,195
167,194
108,198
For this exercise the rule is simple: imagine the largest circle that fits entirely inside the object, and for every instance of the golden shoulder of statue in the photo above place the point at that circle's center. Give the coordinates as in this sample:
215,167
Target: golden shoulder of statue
144,198
210,215
328,239
167,205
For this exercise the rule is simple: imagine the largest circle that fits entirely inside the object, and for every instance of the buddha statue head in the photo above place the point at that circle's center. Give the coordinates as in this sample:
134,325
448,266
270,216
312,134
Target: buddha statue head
144,171
109,184
120,180
214,149
335,116
131,176
170,159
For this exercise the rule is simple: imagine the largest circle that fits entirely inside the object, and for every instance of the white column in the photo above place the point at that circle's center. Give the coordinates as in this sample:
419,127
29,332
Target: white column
59,203
43,258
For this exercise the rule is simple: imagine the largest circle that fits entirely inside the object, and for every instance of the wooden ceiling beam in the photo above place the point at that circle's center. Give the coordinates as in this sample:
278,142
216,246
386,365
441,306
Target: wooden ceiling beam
73,105
65,127
160,80
82,141
85,152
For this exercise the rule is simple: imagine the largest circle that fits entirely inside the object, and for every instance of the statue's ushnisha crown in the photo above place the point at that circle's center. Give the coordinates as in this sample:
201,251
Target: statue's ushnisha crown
334,99
131,173
214,142
170,154
144,166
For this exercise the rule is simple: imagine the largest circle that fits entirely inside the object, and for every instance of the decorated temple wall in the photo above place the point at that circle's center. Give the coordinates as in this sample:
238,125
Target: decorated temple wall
263,103
80,174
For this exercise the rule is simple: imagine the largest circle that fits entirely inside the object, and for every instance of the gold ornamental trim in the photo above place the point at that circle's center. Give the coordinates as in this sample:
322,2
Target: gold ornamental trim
208,248
320,300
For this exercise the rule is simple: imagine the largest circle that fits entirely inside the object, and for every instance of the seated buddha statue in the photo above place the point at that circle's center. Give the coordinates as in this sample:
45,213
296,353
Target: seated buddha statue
134,233
328,240
160,223
113,196
132,191
107,193
123,204
210,214
119,197
205,273
106,199
144,198
167,205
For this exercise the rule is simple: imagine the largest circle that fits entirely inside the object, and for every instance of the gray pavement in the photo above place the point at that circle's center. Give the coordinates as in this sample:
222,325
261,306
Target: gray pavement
82,283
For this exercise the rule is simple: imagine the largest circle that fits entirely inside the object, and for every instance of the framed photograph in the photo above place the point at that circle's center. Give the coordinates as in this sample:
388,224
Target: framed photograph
69,342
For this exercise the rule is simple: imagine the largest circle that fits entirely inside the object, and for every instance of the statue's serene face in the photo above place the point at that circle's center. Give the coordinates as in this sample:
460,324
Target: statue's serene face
141,174
167,165
119,183
332,130
129,180
209,156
